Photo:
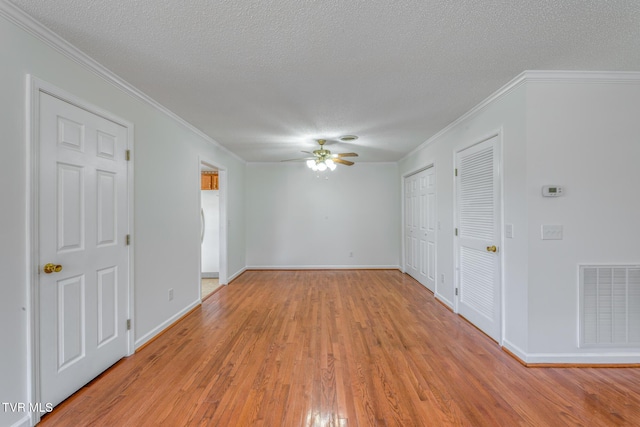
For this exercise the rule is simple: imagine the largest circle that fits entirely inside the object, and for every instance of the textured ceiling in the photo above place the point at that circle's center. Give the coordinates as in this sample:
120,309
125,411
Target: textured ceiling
265,78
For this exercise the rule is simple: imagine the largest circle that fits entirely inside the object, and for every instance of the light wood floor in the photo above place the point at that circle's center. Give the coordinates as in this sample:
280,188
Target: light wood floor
356,348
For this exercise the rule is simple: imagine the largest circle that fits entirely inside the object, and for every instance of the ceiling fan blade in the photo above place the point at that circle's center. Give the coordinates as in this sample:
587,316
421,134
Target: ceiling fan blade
299,160
346,155
343,162
306,152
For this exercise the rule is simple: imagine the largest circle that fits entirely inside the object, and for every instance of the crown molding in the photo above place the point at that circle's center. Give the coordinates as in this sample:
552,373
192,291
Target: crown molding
535,76
249,163
25,22
611,77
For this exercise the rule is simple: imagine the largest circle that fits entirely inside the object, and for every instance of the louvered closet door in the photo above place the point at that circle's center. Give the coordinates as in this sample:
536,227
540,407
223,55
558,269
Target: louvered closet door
477,209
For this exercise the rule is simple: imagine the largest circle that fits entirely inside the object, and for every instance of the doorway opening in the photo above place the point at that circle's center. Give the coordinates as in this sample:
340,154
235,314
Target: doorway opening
212,236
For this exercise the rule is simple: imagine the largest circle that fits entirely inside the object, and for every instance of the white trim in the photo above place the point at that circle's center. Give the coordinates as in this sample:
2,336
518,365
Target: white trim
24,21
562,76
131,232
591,358
517,351
236,274
34,87
224,225
403,249
536,76
32,113
25,421
503,273
418,170
322,267
444,300
164,325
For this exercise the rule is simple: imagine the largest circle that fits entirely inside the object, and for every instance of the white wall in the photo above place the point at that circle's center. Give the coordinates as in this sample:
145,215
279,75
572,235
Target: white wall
166,238
585,136
210,200
579,130
299,218
505,114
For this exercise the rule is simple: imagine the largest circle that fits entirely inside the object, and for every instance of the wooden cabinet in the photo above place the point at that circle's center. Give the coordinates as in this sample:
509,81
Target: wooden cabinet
209,181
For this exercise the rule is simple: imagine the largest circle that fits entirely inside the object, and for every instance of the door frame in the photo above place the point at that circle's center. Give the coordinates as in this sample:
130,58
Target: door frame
224,226
498,134
430,165
34,88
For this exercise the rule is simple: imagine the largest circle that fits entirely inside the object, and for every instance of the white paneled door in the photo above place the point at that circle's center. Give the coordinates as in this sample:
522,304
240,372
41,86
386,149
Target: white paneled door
420,230
411,225
84,264
478,224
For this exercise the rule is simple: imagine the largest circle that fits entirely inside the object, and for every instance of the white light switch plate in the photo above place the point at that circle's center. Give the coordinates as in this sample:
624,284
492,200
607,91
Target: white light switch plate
551,232
508,231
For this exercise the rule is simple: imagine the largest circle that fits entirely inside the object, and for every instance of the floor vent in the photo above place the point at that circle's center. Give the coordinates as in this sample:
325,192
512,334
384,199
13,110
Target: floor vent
609,306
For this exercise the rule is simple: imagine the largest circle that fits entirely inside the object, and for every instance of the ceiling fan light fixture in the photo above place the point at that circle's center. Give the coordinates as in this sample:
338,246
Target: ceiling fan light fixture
323,159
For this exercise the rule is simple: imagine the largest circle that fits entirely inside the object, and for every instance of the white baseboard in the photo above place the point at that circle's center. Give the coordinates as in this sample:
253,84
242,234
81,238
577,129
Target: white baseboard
236,274
323,267
592,358
444,300
164,325
584,358
26,421
517,351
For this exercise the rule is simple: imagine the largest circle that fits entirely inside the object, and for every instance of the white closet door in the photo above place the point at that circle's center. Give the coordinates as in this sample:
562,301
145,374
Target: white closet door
420,230
426,228
411,225
478,259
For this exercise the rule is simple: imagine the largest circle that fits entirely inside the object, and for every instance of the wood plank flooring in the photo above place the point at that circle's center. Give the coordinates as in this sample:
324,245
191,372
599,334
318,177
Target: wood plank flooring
340,348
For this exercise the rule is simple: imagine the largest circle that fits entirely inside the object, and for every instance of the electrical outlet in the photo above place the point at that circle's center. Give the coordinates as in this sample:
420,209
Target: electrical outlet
442,278
351,254
170,294
551,232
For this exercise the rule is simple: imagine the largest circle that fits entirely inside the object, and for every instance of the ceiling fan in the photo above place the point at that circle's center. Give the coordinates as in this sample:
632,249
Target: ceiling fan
323,159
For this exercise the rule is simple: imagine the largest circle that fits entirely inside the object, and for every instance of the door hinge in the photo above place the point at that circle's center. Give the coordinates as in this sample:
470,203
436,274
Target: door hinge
456,171
128,324
456,231
127,155
128,239
456,291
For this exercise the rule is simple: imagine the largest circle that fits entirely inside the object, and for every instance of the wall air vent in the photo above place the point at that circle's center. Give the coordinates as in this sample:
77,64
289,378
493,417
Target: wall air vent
609,306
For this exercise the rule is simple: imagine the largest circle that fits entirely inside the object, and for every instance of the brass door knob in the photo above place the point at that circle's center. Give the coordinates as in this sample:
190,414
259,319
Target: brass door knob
52,268
492,248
